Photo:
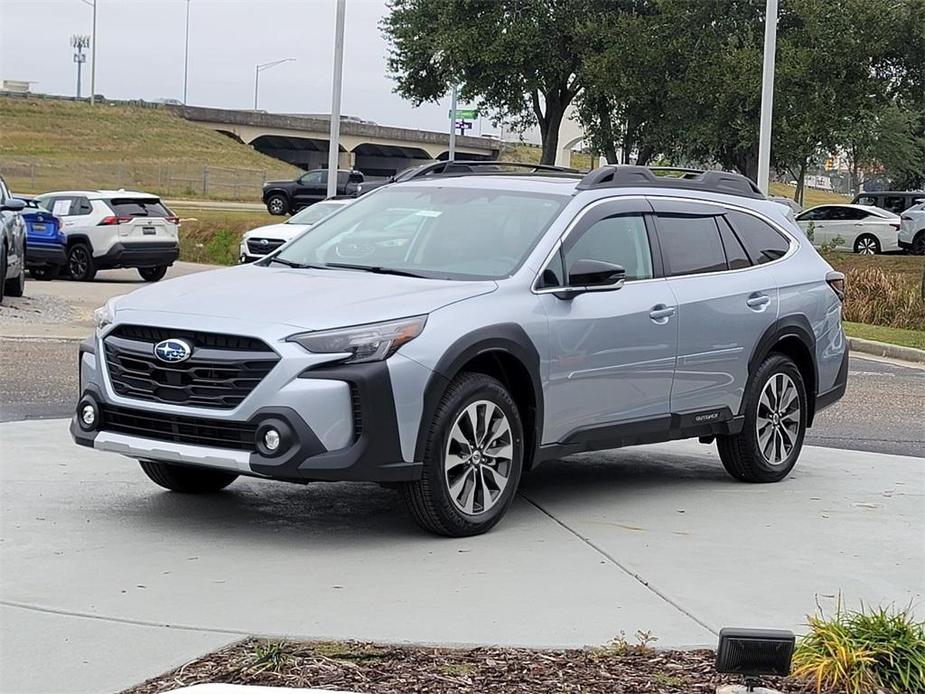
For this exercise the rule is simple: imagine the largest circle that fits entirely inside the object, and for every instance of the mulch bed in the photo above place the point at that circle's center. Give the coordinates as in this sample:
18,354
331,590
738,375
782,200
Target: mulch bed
620,668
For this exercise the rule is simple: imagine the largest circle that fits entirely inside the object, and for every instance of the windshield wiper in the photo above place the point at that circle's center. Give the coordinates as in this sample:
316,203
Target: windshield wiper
378,269
289,263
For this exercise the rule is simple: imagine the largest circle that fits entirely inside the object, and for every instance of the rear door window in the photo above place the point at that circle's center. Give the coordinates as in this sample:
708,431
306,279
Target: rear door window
138,207
762,241
690,245
894,203
736,256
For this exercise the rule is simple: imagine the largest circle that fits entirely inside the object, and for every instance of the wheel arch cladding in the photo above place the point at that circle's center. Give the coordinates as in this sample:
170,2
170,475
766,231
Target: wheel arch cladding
505,352
78,238
793,337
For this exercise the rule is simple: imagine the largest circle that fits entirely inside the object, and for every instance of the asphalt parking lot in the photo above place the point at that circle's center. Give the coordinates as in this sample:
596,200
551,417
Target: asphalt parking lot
113,580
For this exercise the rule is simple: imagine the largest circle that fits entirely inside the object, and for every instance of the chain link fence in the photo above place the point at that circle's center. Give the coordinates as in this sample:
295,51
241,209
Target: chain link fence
162,178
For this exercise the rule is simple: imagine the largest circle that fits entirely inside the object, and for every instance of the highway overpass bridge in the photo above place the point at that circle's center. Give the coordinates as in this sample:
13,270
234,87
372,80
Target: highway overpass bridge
376,150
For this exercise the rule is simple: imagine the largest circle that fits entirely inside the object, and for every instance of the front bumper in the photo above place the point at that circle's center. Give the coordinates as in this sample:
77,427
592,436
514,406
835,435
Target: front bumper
150,254
40,255
371,450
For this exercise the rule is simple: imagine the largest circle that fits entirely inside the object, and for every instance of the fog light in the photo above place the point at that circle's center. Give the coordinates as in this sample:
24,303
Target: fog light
88,416
271,439
753,652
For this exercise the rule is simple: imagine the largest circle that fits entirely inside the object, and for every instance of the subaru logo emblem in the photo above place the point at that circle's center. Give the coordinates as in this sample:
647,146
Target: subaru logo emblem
173,351
264,242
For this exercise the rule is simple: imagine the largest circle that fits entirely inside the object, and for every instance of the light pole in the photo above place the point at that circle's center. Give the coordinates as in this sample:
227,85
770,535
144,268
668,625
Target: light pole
92,3
767,95
453,99
79,42
261,68
336,88
186,55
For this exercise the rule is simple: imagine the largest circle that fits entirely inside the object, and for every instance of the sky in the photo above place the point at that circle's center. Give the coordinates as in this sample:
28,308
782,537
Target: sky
140,48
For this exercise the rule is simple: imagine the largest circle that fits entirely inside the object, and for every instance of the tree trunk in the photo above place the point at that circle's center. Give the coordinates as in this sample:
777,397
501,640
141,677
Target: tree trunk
610,153
549,132
645,155
800,191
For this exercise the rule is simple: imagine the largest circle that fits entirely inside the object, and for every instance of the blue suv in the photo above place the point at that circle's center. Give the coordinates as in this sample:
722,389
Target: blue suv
446,335
45,241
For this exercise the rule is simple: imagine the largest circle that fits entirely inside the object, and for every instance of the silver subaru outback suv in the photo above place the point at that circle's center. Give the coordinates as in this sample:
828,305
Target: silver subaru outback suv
445,336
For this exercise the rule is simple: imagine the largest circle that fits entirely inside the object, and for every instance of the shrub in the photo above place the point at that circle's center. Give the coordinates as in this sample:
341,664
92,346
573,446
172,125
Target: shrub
857,652
879,298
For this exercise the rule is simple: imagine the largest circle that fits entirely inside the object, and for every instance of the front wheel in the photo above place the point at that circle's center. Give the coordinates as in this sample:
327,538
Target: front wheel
186,479
473,457
918,244
866,244
277,205
80,265
16,286
769,444
152,274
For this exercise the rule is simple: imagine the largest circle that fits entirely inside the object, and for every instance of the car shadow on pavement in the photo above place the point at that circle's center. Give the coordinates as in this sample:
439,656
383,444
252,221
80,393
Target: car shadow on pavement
321,513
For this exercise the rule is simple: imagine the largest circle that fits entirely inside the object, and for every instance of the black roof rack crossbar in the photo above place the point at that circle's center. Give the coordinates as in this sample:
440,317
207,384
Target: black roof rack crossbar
530,166
623,176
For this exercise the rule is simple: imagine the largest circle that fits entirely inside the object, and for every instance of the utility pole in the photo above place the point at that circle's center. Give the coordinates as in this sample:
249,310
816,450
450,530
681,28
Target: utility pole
79,42
186,55
767,96
453,99
261,68
93,60
336,89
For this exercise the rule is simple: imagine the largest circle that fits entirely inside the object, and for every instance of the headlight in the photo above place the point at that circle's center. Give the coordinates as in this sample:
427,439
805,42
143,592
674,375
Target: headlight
371,342
104,315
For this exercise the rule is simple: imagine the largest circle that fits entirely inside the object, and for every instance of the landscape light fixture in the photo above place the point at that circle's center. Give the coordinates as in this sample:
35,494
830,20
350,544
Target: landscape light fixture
754,652
79,42
266,66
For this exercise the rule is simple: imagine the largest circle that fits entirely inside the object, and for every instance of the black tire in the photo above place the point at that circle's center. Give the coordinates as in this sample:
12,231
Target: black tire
429,499
152,274
187,479
80,266
45,273
16,286
918,244
2,270
865,243
278,204
741,453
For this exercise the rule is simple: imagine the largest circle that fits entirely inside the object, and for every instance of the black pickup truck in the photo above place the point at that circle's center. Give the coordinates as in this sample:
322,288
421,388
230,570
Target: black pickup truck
286,197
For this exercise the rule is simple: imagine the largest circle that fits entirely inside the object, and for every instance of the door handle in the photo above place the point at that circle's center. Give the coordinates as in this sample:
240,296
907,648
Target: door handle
660,313
758,300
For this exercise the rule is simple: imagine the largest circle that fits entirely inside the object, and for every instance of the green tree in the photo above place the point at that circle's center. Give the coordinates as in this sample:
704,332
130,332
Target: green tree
519,60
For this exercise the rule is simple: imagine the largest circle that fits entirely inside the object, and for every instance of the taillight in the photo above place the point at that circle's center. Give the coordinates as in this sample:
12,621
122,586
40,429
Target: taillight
109,221
895,225
836,281
173,220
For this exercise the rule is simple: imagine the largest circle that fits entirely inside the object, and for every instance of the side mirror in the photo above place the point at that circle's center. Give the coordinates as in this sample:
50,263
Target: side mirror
14,205
588,275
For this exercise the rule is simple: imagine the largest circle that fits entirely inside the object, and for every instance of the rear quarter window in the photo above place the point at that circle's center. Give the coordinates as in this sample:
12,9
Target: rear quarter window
762,241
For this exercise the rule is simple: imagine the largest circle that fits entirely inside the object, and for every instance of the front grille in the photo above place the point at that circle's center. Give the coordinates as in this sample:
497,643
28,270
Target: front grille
263,246
178,429
221,372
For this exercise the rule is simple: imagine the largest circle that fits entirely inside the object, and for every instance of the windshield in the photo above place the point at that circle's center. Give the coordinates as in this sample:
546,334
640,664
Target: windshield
315,213
453,233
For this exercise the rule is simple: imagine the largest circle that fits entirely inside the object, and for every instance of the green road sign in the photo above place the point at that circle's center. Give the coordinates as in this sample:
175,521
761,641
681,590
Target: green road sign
464,113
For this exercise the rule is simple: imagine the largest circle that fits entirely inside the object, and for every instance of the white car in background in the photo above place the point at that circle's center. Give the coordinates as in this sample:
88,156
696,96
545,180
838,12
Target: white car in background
257,243
860,228
108,229
912,229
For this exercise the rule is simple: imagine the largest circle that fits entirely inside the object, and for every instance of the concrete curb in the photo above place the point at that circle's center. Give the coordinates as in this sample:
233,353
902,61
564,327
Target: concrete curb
884,349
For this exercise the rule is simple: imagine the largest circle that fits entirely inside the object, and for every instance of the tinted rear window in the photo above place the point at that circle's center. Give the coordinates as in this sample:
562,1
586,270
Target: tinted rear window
762,241
138,207
691,245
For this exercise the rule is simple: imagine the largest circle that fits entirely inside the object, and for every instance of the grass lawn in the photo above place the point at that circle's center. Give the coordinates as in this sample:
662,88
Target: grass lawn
880,333
213,236
811,196
49,144
911,265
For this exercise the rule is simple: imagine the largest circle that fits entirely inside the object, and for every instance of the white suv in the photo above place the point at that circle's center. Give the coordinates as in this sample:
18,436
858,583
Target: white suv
257,243
115,228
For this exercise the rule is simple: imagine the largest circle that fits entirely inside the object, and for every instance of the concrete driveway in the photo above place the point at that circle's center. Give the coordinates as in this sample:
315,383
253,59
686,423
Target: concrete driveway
106,580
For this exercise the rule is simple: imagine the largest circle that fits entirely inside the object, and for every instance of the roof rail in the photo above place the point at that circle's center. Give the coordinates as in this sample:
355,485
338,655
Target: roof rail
620,176
498,166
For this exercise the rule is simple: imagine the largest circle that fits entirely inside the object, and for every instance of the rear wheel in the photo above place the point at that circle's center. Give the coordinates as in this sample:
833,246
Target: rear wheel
867,244
769,444
186,479
43,274
277,204
16,286
918,244
80,265
152,274
473,457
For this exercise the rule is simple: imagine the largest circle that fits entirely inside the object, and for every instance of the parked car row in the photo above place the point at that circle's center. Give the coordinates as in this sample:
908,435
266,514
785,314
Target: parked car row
859,228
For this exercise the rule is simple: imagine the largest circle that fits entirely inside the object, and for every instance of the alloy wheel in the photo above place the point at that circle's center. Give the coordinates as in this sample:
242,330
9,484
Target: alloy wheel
867,246
478,457
778,420
78,262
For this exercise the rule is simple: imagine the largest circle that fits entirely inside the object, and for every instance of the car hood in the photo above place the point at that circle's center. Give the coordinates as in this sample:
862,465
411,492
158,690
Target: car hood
302,298
277,231
277,183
